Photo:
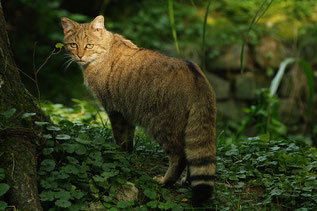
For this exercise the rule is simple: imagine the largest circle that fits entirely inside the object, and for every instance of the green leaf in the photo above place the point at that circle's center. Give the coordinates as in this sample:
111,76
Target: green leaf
53,128
264,137
72,160
3,205
62,175
47,195
166,205
150,193
26,115
48,151
93,187
8,114
124,204
4,188
78,194
48,165
278,77
276,192
70,168
109,174
69,148
59,45
80,149
152,204
62,194
47,136
63,203
41,123
62,137
143,208
83,139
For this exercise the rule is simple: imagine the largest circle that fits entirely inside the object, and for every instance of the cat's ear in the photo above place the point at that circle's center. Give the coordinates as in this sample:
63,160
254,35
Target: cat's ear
68,25
98,24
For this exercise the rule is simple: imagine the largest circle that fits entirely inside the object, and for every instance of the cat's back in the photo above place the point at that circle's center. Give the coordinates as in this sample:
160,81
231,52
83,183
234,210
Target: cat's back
172,74
133,77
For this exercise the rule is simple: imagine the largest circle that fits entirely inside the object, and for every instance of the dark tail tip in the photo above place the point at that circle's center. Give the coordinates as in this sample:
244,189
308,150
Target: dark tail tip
201,194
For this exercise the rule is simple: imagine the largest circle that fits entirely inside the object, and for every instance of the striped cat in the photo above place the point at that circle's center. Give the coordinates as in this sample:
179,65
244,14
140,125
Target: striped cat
169,97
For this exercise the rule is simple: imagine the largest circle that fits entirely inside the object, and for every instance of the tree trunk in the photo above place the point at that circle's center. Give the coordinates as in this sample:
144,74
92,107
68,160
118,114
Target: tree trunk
18,136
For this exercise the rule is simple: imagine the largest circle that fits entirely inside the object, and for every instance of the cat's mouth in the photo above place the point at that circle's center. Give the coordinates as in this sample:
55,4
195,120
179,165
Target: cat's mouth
81,62
84,62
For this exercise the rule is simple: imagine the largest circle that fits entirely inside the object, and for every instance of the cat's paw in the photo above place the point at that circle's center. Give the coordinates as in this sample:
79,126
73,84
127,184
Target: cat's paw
160,180
185,181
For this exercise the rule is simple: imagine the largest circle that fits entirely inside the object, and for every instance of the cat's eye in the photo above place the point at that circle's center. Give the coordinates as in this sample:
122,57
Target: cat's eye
89,46
73,45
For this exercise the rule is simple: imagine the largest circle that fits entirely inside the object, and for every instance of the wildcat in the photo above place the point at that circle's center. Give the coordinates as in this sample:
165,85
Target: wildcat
169,97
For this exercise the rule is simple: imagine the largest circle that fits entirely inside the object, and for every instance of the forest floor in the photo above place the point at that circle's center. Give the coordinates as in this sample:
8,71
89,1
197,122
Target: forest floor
81,167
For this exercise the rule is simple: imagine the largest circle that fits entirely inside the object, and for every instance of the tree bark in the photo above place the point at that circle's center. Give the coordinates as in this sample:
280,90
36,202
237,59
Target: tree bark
19,142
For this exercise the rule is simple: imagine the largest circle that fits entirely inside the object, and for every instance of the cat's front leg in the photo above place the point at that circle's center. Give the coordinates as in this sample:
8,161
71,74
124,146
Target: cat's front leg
122,131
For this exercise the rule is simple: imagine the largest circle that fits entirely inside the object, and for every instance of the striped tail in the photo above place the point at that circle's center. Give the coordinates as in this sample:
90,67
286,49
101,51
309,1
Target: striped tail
200,150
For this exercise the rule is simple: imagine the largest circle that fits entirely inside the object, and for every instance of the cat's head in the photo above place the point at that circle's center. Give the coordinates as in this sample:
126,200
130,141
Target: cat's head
85,42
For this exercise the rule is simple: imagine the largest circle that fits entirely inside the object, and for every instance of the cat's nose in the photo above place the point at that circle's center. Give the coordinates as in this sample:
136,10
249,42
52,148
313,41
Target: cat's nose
80,56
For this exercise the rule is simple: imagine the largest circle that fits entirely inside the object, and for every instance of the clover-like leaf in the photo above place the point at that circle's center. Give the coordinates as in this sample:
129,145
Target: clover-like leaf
59,45
48,164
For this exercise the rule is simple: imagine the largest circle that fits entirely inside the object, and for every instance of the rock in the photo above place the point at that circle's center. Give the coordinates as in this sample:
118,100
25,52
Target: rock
289,112
314,114
221,86
262,81
286,86
96,206
191,52
230,110
127,192
229,59
269,53
245,86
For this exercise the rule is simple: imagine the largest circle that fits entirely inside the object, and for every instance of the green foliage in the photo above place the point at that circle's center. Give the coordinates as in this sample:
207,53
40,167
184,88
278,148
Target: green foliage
271,174
81,164
263,115
3,189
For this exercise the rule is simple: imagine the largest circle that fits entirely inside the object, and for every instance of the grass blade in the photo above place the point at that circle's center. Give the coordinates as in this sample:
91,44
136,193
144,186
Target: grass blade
255,19
193,3
278,77
204,37
172,23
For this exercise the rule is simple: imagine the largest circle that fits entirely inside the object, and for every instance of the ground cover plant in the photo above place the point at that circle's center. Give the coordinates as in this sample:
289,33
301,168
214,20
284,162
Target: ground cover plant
81,166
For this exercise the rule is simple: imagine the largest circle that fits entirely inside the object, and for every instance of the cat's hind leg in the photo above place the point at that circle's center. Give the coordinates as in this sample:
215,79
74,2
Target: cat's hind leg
122,131
177,164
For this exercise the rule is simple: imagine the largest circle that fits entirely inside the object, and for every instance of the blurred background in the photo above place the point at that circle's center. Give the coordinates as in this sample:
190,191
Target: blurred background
287,29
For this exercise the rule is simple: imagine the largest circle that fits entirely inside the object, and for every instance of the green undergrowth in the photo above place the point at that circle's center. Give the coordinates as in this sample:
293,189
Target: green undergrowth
3,189
81,167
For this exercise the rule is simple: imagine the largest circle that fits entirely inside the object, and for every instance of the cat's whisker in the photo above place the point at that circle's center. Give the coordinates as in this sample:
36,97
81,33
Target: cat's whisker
68,55
68,63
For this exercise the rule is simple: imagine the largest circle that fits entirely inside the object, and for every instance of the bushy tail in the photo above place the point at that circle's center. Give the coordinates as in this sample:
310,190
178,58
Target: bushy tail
200,150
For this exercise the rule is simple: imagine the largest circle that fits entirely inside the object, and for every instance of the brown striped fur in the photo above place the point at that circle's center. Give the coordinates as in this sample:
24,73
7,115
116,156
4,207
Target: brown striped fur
169,97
